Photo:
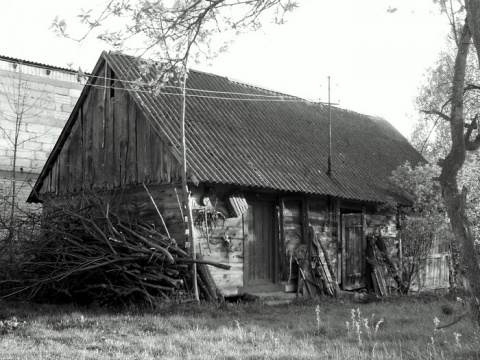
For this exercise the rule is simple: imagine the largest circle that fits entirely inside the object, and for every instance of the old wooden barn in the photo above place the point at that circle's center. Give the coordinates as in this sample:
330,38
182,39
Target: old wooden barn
256,162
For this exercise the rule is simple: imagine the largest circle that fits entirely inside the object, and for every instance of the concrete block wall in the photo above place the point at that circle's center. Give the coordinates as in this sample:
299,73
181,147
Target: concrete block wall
24,184
49,95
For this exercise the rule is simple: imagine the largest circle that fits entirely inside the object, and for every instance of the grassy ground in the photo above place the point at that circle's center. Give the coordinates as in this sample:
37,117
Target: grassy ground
394,329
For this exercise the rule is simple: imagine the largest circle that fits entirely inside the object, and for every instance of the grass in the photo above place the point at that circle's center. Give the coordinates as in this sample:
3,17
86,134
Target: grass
402,328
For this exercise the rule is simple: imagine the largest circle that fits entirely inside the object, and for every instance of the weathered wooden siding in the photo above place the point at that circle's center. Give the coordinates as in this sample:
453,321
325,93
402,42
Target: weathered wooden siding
135,203
436,273
323,217
385,225
353,251
111,144
292,235
225,244
138,204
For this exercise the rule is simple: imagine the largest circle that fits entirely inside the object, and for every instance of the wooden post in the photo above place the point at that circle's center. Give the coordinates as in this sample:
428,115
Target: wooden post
329,164
186,193
282,248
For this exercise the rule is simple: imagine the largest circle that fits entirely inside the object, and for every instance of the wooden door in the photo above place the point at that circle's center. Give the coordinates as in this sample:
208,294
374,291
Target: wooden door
436,273
353,252
260,264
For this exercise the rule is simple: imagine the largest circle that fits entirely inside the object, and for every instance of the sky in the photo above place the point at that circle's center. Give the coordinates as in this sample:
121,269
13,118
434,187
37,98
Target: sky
376,59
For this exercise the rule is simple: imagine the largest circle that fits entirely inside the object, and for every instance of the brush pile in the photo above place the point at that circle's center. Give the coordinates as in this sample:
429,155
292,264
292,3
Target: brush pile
91,254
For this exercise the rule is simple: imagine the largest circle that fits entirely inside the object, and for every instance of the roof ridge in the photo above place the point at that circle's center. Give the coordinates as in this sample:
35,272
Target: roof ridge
261,87
373,117
228,78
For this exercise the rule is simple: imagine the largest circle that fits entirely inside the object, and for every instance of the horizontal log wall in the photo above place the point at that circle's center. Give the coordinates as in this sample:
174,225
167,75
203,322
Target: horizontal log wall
138,204
322,216
225,244
293,236
385,225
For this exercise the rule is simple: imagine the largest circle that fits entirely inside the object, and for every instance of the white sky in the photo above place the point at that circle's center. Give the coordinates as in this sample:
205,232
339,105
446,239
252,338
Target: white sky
375,59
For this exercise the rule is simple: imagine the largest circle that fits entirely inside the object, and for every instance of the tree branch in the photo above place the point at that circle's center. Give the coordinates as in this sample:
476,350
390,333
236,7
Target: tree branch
475,144
453,322
438,113
473,14
471,87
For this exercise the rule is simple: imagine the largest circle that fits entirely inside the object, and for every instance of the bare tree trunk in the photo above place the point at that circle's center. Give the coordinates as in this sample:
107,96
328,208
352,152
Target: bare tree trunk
454,199
186,194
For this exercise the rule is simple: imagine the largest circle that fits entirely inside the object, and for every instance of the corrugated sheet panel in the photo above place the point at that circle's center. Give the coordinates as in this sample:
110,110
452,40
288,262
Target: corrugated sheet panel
237,204
236,134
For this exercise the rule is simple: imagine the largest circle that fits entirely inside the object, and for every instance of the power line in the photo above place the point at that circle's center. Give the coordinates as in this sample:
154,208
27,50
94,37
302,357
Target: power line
136,83
268,99
280,97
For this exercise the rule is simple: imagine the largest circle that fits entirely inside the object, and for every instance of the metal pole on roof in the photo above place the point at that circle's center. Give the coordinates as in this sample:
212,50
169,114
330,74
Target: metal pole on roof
186,193
329,164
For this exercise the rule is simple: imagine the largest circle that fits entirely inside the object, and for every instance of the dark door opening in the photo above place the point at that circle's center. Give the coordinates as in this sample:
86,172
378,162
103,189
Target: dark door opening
260,264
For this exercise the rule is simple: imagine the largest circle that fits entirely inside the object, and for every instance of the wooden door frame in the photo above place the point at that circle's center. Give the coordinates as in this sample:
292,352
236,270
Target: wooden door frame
273,202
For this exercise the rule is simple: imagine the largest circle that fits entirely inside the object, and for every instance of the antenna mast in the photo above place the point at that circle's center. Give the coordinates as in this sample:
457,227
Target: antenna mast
329,164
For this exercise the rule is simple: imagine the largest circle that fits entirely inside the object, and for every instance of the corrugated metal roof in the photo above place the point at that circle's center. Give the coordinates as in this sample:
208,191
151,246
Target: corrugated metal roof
37,64
239,134
270,142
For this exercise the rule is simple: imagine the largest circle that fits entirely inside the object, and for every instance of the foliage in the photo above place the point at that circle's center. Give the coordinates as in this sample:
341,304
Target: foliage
175,31
450,102
431,133
462,142
469,178
424,228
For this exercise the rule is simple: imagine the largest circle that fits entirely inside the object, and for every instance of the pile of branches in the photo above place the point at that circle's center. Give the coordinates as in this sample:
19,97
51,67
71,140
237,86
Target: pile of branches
88,253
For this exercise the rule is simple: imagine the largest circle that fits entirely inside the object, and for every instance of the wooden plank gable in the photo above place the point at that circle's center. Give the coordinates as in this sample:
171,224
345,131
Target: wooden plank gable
111,143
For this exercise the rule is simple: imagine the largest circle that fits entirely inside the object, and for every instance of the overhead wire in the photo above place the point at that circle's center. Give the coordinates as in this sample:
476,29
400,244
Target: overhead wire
136,83
256,97
278,99
133,82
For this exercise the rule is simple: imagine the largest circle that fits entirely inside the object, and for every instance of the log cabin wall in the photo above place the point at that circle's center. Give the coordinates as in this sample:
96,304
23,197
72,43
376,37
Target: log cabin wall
322,215
225,238
384,225
111,144
135,203
435,273
225,243
292,235
138,204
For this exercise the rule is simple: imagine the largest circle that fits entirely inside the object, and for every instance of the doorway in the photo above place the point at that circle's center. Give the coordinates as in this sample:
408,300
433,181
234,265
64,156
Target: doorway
260,260
353,251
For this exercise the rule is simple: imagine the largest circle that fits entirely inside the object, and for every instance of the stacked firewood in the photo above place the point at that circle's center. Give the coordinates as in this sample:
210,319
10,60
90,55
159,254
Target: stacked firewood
92,254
